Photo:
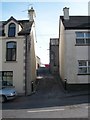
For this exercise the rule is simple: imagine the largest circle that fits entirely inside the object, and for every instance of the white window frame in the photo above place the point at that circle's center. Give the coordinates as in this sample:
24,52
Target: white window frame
84,38
87,66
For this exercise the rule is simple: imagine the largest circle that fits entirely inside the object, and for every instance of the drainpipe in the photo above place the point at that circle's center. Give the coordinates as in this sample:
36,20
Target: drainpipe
25,64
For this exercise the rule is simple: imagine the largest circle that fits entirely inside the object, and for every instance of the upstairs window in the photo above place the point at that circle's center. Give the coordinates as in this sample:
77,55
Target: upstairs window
11,30
11,51
54,42
83,38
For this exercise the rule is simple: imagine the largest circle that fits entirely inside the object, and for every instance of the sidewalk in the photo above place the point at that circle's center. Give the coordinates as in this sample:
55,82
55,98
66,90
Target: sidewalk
67,93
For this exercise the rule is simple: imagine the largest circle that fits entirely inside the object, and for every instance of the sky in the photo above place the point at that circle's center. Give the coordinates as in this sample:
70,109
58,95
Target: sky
47,18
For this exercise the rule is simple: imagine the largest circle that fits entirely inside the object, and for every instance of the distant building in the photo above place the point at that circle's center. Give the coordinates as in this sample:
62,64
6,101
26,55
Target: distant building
38,62
74,43
54,55
17,53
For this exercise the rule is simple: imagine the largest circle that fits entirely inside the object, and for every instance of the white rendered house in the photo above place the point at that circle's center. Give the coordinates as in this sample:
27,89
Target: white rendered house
17,53
74,43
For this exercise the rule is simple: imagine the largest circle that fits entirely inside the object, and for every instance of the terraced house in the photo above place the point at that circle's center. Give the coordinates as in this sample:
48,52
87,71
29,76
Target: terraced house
74,43
17,53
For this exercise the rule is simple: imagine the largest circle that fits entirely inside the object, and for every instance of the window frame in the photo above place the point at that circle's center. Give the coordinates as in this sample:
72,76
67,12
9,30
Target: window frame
11,50
6,75
87,66
11,30
84,38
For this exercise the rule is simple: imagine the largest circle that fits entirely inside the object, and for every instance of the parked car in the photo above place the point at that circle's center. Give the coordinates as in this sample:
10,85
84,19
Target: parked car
7,92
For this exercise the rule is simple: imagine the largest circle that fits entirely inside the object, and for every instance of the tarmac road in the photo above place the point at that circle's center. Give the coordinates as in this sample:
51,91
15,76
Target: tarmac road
49,101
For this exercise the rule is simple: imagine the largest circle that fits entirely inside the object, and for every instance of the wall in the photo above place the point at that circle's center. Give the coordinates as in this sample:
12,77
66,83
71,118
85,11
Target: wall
73,54
0,54
62,52
16,66
31,61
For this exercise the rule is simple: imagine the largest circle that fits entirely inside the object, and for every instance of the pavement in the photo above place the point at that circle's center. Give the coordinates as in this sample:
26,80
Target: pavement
69,93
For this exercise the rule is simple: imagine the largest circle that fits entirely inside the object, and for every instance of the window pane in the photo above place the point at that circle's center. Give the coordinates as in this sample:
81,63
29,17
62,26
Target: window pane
82,70
79,34
87,35
13,54
88,41
7,78
52,42
12,30
52,56
8,54
82,63
88,69
80,41
11,45
0,76
11,51
4,78
57,42
88,63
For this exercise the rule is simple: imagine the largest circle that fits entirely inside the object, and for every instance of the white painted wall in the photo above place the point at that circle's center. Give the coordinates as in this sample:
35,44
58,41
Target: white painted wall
69,56
0,54
16,66
62,53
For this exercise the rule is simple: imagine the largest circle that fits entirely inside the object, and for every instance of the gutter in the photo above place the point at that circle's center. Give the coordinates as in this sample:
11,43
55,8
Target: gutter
25,64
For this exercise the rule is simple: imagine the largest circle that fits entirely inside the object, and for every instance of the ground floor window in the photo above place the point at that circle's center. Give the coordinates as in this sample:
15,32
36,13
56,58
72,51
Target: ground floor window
84,66
6,77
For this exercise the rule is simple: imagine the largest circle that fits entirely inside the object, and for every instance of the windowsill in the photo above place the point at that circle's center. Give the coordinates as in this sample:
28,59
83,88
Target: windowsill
82,44
11,61
10,37
84,74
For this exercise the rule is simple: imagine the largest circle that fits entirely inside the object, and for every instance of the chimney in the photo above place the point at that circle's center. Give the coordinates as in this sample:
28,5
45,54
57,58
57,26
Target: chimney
66,13
31,14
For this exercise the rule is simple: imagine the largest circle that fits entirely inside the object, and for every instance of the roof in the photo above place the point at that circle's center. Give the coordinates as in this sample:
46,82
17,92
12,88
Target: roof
76,22
26,28
25,24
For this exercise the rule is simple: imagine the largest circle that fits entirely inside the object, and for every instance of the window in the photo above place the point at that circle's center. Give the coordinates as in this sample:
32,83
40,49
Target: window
11,51
52,56
83,38
54,42
84,67
11,30
6,77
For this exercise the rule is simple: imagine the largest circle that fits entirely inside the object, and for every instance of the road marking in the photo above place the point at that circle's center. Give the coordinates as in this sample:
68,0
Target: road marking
45,110
87,107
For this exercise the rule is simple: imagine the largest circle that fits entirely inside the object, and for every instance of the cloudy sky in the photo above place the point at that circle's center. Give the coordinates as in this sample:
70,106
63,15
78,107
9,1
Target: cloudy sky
47,18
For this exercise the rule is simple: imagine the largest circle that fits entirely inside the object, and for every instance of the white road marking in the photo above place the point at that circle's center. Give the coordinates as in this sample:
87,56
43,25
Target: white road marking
45,110
87,107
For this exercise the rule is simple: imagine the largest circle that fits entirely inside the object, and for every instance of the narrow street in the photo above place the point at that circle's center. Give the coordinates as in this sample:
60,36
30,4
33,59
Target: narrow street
49,101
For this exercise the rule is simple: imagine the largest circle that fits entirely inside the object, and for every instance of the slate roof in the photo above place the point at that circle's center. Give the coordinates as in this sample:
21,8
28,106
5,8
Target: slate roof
76,22
25,24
